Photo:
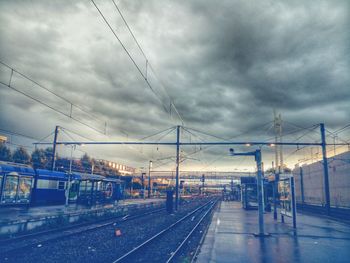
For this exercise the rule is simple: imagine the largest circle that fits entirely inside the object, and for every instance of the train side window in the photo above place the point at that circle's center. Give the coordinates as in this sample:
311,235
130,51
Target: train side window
46,184
61,185
82,186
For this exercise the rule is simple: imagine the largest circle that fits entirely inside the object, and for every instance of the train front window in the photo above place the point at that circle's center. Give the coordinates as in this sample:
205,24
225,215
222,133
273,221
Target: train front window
24,189
10,189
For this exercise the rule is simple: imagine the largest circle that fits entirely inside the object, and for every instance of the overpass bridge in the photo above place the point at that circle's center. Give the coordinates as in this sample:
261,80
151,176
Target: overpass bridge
193,175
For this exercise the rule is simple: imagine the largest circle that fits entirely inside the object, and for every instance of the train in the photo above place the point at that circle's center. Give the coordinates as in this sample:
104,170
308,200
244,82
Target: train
23,185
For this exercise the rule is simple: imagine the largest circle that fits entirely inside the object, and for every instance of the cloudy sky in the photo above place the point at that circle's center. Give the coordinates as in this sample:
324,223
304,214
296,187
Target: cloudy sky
225,65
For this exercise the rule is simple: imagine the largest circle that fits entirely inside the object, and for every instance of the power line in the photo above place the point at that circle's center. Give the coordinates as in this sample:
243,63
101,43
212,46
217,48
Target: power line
131,58
50,107
342,129
157,133
204,133
311,128
48,90
147,61
18,134
20,145
82,136
161,137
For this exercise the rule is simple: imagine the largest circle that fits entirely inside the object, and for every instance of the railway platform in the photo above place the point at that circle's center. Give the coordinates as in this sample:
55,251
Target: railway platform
230,238
14,220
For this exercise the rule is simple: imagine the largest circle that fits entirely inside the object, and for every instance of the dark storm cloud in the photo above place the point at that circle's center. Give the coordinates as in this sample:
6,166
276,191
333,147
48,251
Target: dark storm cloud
226,64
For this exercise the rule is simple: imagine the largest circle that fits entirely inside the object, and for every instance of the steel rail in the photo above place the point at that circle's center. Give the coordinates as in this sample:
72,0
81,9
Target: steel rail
124,218
143,244
175,253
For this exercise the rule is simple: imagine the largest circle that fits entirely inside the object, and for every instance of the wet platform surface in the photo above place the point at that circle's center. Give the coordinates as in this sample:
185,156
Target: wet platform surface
230,239
21,213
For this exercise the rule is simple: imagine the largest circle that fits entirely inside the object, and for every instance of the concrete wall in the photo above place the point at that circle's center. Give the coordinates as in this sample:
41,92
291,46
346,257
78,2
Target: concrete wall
313,182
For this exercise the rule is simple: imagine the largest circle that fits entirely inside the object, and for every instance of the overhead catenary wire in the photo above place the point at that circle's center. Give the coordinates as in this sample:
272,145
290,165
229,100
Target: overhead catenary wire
157,133
207,147
335,135
52,108
18,134
20,145
48,90
148,64
82,136
341,129
129,55
49,106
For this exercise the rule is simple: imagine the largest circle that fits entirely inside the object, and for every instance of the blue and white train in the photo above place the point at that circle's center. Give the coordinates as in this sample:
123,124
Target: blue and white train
22,185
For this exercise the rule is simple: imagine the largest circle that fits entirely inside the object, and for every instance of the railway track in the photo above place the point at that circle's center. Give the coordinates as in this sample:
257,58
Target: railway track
144,251
11,245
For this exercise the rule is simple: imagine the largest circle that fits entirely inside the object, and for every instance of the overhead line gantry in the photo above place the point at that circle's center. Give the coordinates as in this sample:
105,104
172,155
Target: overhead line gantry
178,143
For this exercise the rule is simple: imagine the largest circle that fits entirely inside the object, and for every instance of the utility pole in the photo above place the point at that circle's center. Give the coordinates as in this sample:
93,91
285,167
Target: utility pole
277,167
143,184
325,168
54,149
274,191
281,170
69,175
260,192
276,140
302,185
177,166
149,179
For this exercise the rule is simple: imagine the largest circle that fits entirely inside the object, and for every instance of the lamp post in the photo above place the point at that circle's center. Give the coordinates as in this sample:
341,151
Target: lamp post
149,179
257,156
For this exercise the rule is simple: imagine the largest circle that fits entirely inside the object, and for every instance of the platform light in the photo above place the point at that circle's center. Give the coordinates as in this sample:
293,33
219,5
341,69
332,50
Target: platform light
272,145
248,144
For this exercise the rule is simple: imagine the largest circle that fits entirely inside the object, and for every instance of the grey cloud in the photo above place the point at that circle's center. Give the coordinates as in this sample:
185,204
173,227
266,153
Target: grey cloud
226,64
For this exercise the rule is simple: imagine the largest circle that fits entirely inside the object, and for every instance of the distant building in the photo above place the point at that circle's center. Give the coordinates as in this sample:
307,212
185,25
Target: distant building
120,168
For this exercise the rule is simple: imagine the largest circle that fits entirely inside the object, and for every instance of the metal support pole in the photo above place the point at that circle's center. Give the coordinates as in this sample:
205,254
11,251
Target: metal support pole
177,166
260,192
149,179
131,187
302,185
54,149
274,192
325,168
274,198
294,211
143,185
69,176
203,180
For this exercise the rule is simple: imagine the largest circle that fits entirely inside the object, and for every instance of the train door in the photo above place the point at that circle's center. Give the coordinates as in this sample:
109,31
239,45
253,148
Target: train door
73,191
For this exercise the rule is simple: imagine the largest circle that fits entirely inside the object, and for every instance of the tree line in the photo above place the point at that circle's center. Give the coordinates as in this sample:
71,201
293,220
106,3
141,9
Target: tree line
42,159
